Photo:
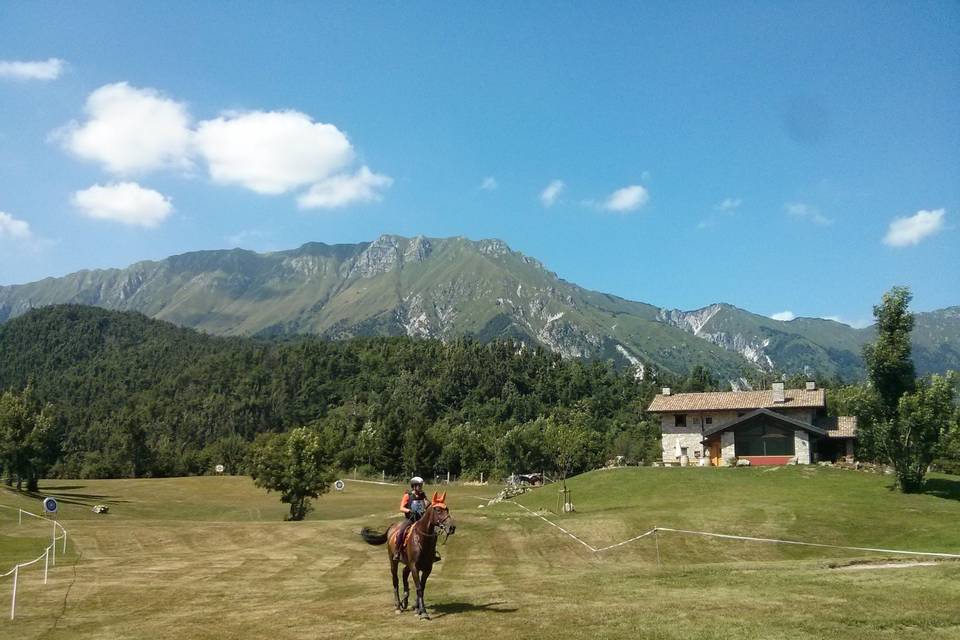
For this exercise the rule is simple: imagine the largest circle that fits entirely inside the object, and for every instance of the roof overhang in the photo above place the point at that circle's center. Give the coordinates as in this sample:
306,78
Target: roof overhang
779,417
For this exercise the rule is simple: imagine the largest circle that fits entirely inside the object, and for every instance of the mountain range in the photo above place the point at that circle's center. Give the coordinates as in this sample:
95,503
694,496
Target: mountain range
449,287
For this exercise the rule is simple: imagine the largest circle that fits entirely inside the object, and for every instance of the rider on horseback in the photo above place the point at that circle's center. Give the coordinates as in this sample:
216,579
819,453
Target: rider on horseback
413,505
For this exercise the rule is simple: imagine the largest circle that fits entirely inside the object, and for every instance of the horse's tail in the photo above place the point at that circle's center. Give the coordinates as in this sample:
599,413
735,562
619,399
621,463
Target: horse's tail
372,537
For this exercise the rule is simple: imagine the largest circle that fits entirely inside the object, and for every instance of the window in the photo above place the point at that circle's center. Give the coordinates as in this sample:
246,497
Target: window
764,440
709,420
683,451
680,420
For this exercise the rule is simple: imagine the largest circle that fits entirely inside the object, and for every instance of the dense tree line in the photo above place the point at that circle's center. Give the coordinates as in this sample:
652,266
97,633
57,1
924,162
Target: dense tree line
131,396
86,392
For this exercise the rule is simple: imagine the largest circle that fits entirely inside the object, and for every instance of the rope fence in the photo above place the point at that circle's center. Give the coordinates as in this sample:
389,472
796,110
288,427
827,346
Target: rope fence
49,556
656,530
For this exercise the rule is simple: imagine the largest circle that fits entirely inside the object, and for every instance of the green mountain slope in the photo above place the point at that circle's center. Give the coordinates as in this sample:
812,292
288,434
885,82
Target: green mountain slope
422,287
447,287
817,345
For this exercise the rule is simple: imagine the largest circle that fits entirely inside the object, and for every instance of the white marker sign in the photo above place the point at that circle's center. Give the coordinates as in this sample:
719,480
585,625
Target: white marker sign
339,485
50,505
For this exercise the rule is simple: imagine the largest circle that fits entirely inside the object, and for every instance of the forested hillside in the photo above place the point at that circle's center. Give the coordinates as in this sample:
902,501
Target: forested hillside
135,396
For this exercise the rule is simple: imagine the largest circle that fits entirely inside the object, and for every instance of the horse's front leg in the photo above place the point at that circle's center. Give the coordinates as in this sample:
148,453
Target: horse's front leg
406,589
419,586
396,585
424,614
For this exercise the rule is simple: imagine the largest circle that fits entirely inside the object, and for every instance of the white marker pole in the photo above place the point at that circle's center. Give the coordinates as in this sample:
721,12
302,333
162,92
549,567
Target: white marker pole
54,544
64,540
656,541
46,564
13,600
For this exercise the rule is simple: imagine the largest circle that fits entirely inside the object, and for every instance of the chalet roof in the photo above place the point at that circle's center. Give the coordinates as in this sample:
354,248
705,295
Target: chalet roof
840,426
779,417
732,400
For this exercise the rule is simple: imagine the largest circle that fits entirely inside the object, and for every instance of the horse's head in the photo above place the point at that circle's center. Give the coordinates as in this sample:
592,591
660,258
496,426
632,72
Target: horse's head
440,513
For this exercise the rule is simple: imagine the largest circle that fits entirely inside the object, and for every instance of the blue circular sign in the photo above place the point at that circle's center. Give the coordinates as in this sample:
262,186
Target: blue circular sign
50,505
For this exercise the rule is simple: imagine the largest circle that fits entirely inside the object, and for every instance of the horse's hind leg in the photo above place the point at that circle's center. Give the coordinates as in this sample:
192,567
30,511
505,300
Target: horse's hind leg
406,589
396,585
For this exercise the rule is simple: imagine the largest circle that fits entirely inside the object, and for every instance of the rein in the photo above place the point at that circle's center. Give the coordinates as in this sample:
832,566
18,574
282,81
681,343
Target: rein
425,531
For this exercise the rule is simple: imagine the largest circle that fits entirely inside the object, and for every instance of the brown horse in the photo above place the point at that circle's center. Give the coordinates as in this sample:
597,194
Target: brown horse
418,550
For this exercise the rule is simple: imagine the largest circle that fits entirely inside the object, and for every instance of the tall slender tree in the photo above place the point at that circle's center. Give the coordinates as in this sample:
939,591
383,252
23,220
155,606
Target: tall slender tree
889,366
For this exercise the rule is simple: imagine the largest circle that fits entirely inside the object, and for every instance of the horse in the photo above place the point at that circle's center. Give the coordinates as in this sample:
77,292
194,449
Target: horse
418,551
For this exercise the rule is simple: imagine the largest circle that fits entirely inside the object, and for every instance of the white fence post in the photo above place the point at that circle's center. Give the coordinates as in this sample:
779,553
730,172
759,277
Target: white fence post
13,600
64,540
46,564
19,516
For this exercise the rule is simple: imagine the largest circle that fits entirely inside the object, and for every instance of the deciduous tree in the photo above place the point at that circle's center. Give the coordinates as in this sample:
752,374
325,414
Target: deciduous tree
294,464
911,437
889,366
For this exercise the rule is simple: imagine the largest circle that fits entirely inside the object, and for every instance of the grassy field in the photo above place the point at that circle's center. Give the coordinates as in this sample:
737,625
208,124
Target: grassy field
211,558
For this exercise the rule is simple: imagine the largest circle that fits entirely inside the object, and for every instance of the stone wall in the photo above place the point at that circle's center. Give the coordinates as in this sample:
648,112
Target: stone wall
727,448
801,446
674,438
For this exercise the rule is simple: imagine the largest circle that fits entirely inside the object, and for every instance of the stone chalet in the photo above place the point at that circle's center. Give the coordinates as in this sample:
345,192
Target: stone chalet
775,426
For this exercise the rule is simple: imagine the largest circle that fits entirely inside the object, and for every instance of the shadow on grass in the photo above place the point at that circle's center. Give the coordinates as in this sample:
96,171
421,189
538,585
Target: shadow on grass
449,608
942,488
80,499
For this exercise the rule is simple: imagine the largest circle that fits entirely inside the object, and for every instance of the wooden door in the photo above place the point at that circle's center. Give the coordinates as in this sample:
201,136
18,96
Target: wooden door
715,451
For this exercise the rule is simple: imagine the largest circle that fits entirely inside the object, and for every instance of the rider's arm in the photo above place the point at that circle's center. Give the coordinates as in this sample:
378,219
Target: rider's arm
404,502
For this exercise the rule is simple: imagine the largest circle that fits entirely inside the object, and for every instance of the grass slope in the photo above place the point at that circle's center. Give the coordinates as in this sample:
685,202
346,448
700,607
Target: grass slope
211,558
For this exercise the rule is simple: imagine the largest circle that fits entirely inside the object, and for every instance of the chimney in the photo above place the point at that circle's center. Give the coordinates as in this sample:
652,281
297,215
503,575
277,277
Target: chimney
665,391
811,385
778,394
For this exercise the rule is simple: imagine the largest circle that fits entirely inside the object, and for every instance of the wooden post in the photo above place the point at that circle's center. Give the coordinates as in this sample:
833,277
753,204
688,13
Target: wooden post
656,540
481,477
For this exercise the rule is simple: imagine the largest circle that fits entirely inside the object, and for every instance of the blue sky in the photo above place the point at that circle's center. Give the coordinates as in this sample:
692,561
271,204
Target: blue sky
799,157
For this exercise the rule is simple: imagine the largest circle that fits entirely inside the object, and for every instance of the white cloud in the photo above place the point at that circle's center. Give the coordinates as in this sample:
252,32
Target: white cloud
783,316
49,69
552,192
627,199
272,152
911,230
245,237
856,324
729,204
10,227
130,130
489,183
343,189
124,202
808,212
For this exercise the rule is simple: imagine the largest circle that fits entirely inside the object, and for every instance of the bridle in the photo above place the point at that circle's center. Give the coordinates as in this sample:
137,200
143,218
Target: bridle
439,524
